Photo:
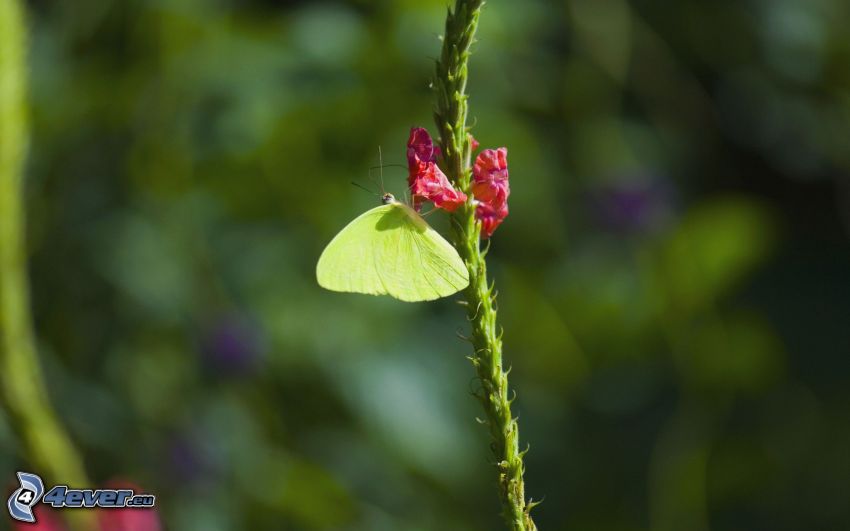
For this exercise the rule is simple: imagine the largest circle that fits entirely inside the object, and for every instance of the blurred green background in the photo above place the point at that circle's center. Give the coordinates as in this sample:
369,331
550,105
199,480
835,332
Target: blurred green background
674,276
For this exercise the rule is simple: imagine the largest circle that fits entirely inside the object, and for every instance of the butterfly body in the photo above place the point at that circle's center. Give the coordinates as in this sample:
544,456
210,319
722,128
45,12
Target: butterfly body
391,250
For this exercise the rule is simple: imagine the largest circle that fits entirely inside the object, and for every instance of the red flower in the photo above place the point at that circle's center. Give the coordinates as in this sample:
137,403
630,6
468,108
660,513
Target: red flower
46,519
490,217
490,176
112,519
128,518
421,147
426,180
490,187
473,144
489,180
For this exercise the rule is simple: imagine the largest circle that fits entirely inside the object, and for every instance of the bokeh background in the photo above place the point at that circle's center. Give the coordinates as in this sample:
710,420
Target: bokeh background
674,276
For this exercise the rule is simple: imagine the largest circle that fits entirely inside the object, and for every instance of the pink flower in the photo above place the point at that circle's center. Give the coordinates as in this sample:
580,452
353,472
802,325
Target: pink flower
426,180
490,176
490,188
490,217
115,519
420,147
473,144
46,519
128,518
489,180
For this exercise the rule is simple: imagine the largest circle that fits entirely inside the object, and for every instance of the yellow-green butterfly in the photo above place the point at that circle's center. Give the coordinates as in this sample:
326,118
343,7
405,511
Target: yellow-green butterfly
391,250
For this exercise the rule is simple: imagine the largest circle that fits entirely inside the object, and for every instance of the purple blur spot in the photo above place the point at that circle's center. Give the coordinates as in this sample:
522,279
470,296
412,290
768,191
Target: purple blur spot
635,206
232,345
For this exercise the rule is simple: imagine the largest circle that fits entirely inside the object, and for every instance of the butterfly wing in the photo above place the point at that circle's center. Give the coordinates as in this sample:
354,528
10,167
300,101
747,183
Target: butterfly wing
426,266
349,262
391,250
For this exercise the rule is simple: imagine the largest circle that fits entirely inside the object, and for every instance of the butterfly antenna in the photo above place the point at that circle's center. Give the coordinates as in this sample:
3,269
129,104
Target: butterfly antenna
381,164
358,185
388,165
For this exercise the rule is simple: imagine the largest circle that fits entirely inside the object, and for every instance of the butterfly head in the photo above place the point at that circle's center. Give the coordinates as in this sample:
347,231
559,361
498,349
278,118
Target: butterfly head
387,199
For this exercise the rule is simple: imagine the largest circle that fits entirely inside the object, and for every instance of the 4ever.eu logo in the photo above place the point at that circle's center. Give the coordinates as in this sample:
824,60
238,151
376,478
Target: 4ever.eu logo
31,491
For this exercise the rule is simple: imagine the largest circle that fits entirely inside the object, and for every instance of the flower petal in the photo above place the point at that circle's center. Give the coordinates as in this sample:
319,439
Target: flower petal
490,176
473,144
428,183
420,147
490,188
490,217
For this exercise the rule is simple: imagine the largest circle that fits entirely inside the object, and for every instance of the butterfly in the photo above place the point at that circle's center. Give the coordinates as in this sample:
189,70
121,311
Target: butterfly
391,250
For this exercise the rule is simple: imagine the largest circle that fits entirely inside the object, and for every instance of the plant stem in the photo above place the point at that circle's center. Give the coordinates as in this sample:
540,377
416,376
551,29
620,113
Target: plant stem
450,116
23,391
